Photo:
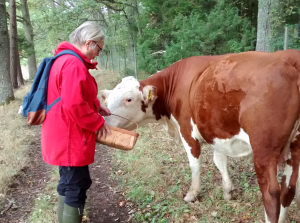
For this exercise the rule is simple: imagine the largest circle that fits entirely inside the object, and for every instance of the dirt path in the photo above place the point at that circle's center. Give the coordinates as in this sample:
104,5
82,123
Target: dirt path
106,204
26,185
103,200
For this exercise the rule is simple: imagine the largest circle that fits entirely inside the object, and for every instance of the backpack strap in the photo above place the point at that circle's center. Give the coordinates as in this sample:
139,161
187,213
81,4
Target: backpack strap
70,52
53,103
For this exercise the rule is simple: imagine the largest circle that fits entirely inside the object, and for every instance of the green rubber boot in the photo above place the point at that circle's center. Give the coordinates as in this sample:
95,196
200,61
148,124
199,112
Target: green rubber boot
60,207
72,215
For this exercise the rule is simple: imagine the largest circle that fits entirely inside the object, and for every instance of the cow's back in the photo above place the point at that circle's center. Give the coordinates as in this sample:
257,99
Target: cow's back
243,90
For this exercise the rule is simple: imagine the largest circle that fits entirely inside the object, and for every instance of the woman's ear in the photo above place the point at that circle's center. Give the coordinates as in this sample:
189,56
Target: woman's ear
87,44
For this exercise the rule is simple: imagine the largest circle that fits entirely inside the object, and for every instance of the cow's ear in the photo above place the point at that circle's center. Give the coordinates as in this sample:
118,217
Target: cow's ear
104,94
148,94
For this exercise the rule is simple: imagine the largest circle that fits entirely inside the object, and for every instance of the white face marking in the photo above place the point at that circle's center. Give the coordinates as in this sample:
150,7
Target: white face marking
126,100
237,146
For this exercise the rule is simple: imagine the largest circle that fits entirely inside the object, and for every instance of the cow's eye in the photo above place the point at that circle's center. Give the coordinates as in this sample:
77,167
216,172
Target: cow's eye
129,100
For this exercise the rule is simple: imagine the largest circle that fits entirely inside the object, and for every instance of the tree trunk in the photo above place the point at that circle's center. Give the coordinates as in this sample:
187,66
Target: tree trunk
286,38
112,59
119,61
296,31
106,62
135,61
137,15
125,60
6,90
32,68
19,70
13,44
264,24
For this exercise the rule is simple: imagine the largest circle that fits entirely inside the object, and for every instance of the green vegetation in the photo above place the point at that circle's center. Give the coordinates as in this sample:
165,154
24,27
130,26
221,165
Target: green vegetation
153,34
44,210
15,141
157,177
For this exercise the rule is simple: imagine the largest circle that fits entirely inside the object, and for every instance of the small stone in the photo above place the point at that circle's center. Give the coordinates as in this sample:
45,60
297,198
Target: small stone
214,214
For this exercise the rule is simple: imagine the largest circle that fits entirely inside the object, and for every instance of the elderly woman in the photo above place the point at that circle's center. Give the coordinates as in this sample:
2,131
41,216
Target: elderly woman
68,132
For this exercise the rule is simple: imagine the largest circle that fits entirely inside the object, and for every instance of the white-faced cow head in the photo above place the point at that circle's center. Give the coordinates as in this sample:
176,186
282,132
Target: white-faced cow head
130,100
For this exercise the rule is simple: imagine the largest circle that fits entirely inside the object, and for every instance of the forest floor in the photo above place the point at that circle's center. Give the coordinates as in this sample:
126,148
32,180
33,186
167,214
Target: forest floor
105,204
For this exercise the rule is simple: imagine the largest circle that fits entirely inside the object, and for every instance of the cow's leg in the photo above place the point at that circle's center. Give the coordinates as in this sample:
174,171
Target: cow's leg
297,197
289,179
294,154
284,189
195,165
221,162
266,171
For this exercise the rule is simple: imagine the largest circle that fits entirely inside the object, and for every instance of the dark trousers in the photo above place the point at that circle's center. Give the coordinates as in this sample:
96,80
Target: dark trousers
73,184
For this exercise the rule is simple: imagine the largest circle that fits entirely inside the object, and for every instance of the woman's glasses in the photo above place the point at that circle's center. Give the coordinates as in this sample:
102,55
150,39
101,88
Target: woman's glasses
100,49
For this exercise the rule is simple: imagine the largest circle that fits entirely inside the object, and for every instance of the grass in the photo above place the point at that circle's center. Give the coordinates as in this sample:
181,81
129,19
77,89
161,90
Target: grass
44,210
15,141
157,177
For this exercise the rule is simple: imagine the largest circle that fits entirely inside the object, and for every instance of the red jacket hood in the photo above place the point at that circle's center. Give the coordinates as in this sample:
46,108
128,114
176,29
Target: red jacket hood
68,46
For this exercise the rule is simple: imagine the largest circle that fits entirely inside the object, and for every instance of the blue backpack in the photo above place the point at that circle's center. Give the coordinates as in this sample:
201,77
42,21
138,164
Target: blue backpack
35,105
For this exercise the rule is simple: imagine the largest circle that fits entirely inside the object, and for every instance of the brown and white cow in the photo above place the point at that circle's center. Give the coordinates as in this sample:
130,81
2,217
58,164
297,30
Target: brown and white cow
240,104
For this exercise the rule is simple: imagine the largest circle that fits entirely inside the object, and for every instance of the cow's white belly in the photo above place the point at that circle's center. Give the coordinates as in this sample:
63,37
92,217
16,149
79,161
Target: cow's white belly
237,146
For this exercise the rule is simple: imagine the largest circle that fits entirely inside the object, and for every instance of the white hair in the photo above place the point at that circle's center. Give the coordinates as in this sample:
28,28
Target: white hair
87,31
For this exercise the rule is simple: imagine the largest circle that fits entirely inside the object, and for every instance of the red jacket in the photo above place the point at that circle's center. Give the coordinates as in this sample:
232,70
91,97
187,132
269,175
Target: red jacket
68,132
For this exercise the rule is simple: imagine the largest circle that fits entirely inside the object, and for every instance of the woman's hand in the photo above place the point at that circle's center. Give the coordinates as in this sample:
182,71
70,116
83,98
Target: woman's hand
104,111
103,131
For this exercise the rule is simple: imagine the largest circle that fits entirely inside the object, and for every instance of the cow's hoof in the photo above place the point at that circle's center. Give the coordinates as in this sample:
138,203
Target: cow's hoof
190,197
227,196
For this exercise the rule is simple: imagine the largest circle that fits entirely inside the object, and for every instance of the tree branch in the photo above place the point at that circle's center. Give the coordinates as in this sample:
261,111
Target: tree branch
21,19
109,4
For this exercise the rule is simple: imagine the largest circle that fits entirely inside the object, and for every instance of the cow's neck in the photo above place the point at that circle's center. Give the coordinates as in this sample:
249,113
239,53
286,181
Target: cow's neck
165,82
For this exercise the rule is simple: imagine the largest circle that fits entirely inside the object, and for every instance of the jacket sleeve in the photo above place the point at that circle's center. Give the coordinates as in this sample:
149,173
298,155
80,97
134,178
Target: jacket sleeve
74,90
